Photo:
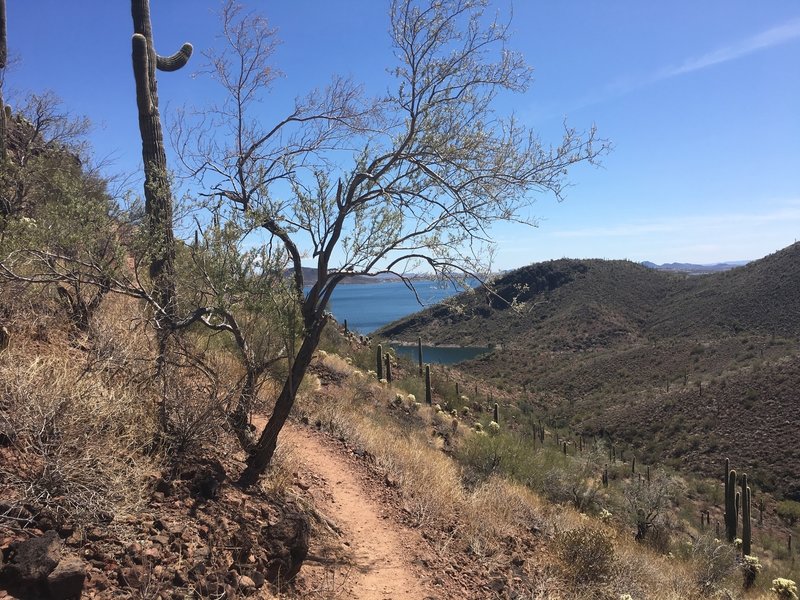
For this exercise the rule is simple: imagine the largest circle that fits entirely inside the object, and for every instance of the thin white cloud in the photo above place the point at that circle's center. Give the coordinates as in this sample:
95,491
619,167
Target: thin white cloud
685,225
775,36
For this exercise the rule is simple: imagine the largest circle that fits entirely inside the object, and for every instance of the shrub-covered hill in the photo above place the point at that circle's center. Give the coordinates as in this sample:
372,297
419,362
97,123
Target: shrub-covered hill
615,347
579,304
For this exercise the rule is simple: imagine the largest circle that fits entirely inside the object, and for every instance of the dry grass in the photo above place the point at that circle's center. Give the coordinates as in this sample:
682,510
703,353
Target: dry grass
75,444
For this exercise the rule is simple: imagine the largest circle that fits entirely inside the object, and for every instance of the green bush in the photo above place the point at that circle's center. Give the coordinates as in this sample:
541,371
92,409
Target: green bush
789,511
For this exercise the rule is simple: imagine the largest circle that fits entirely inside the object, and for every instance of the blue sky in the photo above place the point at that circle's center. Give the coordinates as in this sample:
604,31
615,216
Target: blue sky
701,101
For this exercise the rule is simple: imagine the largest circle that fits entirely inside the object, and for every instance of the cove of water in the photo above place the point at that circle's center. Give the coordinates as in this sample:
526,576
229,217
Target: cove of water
370,306
442,355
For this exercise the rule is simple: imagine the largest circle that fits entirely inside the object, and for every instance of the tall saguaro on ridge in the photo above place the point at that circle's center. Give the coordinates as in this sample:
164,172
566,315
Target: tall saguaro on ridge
157,192
3,59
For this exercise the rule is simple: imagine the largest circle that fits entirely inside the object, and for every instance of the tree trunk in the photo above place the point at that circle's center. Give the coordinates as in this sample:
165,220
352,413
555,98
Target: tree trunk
261,455
239,418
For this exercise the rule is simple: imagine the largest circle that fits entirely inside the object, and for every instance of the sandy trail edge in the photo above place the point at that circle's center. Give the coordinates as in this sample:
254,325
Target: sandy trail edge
381,550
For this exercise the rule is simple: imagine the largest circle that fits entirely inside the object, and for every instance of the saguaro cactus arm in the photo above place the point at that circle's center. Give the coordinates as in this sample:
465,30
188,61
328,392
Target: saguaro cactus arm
174,61
144,98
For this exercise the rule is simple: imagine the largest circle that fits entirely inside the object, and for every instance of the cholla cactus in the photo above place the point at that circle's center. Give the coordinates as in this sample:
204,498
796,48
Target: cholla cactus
750,569
494,427
437,408
464,398
478,427
322,354
785,589
383,381
411,398
605,517
454,413
465,411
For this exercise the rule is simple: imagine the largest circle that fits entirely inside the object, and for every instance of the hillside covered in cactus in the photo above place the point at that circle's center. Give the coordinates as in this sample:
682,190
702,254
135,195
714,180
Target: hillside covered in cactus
682,368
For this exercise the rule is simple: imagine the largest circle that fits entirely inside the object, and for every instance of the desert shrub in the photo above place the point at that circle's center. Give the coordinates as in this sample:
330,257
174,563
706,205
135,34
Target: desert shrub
789,511
712,560
648,503
503,453
495,510
76,445
587,553
575,481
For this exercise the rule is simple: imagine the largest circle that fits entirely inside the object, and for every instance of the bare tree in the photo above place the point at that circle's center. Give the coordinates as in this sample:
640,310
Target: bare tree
248,298
435,167
648,501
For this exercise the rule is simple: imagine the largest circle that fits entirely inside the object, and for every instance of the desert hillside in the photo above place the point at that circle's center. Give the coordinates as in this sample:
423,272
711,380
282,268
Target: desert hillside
680,368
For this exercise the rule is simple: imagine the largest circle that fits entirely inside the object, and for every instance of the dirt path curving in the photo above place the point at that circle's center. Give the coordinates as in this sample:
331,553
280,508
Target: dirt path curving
380,551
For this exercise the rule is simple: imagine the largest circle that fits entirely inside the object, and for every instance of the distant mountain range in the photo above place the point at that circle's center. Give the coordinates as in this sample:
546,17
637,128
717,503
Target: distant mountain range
693,268
310,275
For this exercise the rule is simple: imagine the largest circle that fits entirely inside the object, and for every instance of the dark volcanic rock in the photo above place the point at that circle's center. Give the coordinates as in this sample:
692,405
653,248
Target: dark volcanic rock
286,545
36,568
66,580
29,564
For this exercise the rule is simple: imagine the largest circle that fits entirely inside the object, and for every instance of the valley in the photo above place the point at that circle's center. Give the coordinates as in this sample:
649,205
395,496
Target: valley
679,369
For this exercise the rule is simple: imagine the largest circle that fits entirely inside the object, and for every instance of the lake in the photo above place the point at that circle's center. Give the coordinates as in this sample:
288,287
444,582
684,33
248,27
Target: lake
370,306
442,355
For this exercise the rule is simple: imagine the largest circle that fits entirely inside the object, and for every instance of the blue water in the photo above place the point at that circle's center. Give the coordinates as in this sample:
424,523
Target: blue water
369,306
442,355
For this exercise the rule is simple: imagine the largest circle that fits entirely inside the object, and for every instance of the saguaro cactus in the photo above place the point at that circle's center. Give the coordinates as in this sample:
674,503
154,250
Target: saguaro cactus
157,191
731,513
428,390
379,362
3,59
388,358
746,525
496,413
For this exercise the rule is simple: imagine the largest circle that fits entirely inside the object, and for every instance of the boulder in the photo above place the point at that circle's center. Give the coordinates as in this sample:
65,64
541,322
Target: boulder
66,580
39,568
29,564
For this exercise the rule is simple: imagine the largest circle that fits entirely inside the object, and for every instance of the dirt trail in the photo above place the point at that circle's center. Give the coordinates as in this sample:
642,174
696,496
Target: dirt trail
380,550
